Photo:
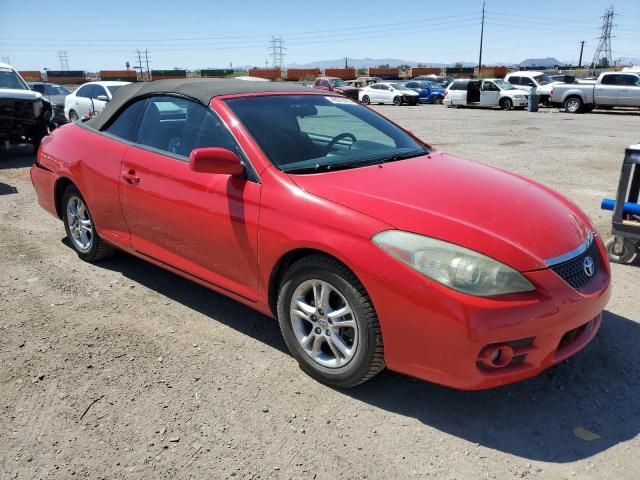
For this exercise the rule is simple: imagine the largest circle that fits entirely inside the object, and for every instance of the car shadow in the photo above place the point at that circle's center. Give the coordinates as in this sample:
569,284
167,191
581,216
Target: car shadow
629,113
6,189
17,156
596,390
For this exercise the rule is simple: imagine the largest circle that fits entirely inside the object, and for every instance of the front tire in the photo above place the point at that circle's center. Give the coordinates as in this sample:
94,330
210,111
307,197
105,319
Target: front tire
73,116
397,101
80,228
506,104
329,323
438,99
366,100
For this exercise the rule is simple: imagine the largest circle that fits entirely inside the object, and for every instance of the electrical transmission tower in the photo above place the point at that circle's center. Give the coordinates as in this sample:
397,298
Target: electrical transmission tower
5,60
603,56
64,60
277,52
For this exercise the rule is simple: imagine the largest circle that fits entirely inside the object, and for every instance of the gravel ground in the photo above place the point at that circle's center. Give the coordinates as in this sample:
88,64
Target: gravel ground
123,370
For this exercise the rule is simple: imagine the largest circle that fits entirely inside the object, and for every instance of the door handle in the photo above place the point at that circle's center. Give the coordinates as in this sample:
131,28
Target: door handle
130,177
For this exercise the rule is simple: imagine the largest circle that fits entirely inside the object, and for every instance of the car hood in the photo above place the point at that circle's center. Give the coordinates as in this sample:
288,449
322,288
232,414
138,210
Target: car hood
500,214
19,94
56,99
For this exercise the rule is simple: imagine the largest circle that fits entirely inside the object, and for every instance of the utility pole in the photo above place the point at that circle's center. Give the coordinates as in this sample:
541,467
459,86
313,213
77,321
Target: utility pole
146,57
139,67
346,64
581,50
481,38
603,50
64,60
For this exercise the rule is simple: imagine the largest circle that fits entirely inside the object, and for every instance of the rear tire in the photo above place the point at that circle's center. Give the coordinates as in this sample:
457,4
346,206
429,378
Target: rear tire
73,116
366,100
506,104
438,99
358,352
80,228
573,105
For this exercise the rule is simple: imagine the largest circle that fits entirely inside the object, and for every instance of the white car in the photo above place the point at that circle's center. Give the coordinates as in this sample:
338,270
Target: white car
527,80
388,92
89,99
485,93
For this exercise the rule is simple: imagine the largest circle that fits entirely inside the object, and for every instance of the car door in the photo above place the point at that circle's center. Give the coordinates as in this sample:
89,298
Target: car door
98,91
200,223
82,101
386,94
607,92
489,94
630,91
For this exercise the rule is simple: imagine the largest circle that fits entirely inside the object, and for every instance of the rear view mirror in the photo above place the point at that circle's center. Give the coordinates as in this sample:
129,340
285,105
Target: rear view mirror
215,160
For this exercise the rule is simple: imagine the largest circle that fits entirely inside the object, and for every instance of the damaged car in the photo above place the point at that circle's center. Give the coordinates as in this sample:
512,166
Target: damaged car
25,116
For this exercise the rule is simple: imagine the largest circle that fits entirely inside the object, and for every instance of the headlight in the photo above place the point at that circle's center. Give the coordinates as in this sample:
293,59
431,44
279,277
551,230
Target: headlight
37,108
519,97
452,265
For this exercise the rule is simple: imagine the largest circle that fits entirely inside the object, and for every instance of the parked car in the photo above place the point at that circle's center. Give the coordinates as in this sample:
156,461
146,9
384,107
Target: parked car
362,82
485,93
56,94
333,84
429,92
25,117
316,210
527,80
442,80
612,89
388,92
90,99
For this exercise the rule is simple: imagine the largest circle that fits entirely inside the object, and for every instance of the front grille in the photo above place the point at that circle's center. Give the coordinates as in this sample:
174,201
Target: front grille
573,271
16,109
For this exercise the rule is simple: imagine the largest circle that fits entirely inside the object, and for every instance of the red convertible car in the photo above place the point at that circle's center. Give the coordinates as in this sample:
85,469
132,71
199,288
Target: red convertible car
371,248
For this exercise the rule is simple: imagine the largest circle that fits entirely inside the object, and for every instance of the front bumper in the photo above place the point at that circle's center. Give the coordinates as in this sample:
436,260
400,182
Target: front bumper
440,335
520,102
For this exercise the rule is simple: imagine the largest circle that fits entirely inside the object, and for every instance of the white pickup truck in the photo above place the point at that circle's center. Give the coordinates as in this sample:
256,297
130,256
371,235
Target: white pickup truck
612,89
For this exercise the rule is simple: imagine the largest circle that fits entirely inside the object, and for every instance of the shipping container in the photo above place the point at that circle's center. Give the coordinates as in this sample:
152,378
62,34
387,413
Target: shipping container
216,72
268,73
168,74
385,73
66,76
302,73
123,75
417,71
31,75
343,73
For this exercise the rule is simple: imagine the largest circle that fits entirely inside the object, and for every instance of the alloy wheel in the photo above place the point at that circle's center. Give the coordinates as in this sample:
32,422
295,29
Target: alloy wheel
323,323
79,223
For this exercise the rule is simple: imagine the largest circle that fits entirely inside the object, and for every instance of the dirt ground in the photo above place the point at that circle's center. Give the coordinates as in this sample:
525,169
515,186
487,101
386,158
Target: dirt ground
123,370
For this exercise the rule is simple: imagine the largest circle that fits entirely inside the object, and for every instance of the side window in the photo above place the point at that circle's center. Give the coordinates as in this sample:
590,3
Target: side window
126,123
38,88
178,126
610,80
629,80
489,87
97,91
324,83
85,91
527,81
514,80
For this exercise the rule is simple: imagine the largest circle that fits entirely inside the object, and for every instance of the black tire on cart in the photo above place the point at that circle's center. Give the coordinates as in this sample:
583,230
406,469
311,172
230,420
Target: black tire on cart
624,253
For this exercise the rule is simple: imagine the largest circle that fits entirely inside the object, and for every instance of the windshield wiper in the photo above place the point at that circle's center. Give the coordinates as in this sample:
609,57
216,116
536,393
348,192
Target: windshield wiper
328,167
401,156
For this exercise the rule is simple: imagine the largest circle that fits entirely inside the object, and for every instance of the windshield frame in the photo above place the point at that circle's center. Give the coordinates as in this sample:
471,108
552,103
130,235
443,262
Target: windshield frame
315,164
25,86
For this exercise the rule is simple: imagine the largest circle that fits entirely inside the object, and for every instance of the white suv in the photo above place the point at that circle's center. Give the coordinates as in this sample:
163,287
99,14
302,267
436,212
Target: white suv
89,99
527,80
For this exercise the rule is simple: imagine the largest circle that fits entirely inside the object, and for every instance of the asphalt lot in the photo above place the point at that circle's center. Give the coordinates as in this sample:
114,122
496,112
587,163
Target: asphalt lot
123,370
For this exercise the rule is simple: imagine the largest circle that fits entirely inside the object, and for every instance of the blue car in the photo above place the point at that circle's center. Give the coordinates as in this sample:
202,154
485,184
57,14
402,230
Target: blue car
430,92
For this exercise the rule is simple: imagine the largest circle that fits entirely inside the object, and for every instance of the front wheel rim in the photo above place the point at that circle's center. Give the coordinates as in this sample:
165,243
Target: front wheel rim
73,116
572,105
79,223
324,323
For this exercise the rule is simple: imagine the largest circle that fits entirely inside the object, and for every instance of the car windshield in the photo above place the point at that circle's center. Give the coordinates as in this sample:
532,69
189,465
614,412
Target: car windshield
313,133
400,86
543,79
336,82
503,85
113,88
56,90
10,79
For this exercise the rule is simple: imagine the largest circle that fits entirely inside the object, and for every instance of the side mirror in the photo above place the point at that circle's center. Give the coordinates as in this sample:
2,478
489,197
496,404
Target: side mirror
215,160
102,98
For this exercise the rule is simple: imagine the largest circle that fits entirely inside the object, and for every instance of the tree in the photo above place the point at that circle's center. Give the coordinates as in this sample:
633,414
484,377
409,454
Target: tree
604,62
458,65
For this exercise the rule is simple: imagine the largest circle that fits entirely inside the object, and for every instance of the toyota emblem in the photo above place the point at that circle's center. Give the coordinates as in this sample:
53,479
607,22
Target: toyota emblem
589,266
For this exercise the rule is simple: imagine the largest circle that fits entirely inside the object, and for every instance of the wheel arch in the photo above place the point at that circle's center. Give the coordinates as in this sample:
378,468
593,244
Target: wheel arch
283,264
58,191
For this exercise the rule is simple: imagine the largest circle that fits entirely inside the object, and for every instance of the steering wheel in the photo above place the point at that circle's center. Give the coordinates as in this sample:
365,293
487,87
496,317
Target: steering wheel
339,137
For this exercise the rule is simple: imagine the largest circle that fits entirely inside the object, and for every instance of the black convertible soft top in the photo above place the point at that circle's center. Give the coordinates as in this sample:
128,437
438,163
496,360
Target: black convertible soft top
200,89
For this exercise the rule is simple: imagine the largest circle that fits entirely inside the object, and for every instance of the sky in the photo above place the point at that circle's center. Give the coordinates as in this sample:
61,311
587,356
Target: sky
219,33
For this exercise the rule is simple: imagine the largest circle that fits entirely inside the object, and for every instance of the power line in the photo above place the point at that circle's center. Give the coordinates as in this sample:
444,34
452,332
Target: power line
603,50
